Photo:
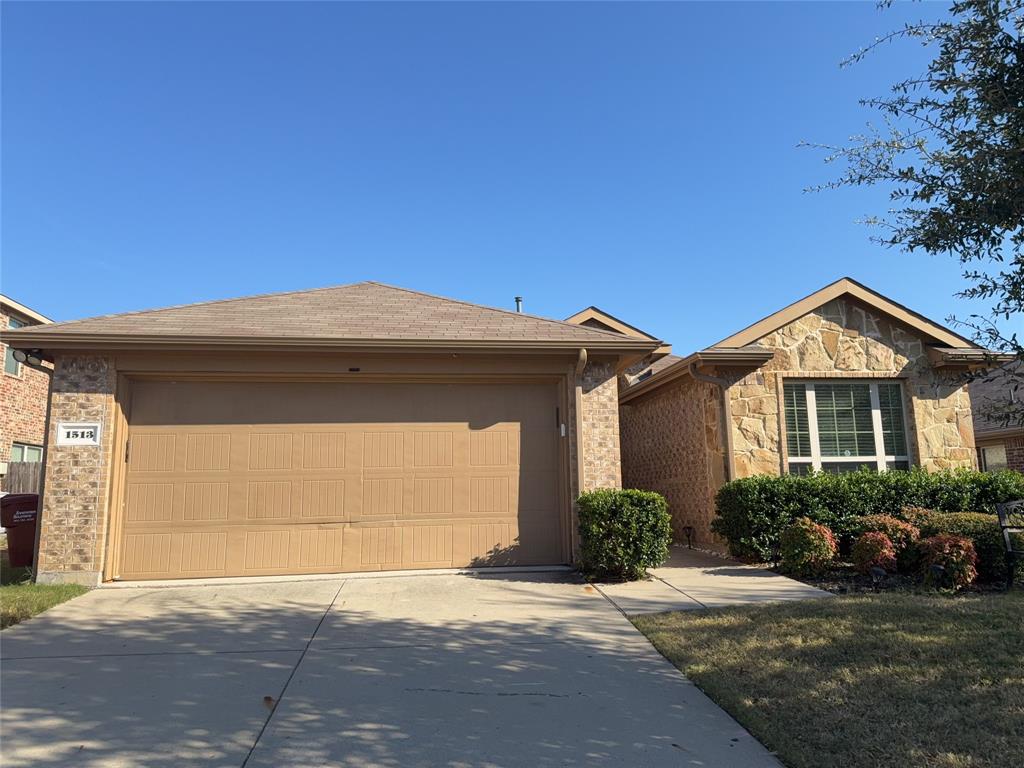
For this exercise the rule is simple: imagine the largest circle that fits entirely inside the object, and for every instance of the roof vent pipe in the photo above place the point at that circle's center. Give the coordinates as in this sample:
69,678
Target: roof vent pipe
519,303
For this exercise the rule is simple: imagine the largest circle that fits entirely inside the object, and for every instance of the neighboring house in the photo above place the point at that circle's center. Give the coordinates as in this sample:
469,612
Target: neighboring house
355,428
23,393
841,379
997,409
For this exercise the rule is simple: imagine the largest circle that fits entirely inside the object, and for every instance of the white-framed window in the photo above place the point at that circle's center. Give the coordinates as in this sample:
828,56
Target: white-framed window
992,457
26,452
841,426
12,366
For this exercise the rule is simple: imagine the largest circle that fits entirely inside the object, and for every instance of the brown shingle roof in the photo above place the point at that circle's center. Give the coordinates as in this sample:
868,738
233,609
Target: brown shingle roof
361,312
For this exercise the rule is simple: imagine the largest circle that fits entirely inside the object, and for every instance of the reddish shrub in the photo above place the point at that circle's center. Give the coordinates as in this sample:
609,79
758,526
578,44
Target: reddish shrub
873,549
901,534
807,548
954,553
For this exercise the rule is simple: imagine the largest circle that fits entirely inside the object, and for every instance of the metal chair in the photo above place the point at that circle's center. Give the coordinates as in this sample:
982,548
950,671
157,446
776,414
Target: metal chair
1011,522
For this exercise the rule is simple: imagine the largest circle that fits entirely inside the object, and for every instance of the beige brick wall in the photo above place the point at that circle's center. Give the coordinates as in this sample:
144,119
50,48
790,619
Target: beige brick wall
77,477
22,401
601,458
845,340
671,444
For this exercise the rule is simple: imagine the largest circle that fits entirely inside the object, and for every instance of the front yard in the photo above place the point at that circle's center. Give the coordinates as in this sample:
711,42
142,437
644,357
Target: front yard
20,599
863,680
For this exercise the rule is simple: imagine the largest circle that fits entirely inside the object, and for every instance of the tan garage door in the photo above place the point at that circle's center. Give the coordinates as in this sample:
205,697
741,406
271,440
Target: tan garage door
246,478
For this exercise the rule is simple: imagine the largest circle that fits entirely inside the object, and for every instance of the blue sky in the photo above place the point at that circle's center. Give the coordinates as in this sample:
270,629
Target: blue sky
642,158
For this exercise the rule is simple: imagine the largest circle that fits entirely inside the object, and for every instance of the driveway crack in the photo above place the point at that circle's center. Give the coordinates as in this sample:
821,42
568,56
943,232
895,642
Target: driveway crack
273,703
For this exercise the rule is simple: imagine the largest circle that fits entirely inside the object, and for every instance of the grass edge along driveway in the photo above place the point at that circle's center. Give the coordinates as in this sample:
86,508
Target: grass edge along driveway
868,680
20,599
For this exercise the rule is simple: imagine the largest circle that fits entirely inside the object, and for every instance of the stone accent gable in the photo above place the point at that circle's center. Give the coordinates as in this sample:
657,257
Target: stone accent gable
843,339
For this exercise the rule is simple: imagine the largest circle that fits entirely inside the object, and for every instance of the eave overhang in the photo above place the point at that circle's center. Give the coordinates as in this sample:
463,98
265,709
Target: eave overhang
746,358
967,357
39,338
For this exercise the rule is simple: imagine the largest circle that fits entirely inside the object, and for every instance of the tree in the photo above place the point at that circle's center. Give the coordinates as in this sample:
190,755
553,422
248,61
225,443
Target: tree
952,155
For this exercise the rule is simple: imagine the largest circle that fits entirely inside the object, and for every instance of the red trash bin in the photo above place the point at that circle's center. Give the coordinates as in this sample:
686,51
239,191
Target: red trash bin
19,514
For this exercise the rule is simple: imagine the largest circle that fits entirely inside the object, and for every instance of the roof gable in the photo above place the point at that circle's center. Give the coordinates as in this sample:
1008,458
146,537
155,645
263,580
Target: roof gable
363,313
846,287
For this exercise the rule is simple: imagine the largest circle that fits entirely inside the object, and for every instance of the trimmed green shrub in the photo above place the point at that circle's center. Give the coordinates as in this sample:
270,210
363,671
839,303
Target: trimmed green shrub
982,530
807,548
752,512
954,553
623,532
872,549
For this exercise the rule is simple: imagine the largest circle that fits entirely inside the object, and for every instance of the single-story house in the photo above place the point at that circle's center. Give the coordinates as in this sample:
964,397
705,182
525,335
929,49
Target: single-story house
355,428
838,380
997,398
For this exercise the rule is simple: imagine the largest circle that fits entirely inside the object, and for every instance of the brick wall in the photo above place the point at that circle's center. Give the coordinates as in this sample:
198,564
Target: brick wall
670,444
600,409
22,402
77,477
1015,453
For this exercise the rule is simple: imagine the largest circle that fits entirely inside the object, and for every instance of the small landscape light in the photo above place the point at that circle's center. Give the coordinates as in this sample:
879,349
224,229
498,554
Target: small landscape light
877,576
688,533
938,574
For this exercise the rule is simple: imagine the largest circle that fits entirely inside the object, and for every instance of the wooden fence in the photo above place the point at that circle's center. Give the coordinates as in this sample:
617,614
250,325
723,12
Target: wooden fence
22,477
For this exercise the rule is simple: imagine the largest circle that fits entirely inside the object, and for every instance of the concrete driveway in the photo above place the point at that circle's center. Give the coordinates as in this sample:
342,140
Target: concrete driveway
441,670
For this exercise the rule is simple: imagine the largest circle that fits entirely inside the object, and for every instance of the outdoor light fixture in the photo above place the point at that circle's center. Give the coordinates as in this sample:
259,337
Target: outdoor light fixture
688,533
937,573
877,576
32,357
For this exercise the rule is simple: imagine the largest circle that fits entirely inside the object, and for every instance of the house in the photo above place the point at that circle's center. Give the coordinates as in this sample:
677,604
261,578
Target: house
998,435
841,379
23,391
355,428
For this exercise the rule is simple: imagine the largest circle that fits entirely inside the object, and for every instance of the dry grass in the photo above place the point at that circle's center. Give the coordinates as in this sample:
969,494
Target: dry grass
866,680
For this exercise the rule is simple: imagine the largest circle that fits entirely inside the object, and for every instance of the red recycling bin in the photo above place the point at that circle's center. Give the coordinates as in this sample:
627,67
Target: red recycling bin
19,515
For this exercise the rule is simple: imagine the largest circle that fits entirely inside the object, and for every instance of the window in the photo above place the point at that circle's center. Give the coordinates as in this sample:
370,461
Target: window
992,457
841,426
23,452
11,365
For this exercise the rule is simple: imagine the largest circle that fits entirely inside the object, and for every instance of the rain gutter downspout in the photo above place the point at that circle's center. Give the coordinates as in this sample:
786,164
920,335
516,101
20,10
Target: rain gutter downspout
581,363
723,388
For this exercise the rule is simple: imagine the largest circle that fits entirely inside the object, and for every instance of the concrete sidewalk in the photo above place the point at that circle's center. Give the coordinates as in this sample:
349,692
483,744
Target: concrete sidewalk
493,670
693,580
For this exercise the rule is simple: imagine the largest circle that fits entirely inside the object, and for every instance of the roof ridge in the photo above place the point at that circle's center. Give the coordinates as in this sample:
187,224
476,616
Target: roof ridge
511,312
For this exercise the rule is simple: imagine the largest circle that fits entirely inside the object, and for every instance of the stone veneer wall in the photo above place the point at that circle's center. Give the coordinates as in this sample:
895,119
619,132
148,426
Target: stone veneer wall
77,478
671,444
845,340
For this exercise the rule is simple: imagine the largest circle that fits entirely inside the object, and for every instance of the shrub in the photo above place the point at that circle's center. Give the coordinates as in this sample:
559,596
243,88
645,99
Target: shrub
982,530
623,532
807,548
874,549
752,512
901,534
954,553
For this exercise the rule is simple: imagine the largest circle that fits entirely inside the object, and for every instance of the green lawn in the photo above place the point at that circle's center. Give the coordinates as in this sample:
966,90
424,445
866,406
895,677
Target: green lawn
865,680
20,599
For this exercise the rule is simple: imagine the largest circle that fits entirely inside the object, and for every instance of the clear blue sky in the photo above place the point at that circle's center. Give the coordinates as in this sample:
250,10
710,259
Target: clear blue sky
642,158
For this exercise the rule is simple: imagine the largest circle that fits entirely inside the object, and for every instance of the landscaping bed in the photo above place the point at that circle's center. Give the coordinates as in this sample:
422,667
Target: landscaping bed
20,599
898,678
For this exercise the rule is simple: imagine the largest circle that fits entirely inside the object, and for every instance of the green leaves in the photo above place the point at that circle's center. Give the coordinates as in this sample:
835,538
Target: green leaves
623,532
752,512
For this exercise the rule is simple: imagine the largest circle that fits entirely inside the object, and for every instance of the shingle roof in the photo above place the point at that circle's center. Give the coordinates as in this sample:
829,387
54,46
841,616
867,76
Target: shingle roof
360,312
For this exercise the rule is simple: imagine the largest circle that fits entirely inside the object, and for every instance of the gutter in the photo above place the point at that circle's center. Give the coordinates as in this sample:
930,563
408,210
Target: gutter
749,357
581,364
723,389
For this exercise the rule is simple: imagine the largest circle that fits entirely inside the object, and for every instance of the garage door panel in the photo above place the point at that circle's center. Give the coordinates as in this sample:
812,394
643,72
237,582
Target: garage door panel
305,478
